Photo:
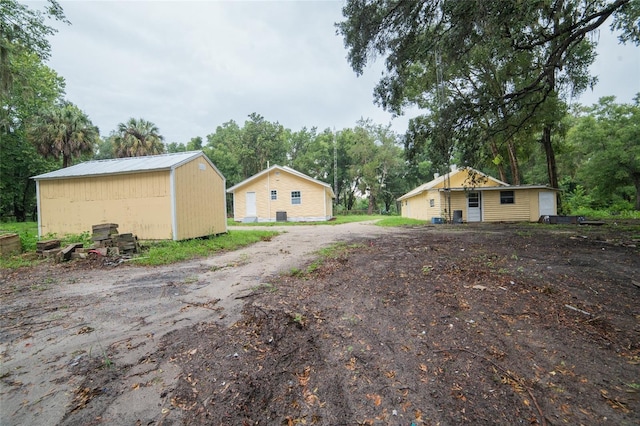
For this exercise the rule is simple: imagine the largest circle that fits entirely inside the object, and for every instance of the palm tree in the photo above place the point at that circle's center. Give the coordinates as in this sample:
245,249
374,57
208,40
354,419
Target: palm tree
64,132
136,138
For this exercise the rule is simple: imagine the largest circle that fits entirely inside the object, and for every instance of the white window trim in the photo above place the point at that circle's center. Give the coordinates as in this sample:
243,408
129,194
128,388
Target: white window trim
299,198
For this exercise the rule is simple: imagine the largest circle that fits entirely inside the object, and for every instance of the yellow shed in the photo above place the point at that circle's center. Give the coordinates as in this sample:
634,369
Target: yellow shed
281,194
468,195
159,197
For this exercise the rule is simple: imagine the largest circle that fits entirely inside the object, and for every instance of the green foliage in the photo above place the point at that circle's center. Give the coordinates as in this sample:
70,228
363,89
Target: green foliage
105,149
83,238
166,252
598,214
20,161
486,70
221,148
400,221
577,199
262,142
606,140
28,232
34,87
63,132
136,138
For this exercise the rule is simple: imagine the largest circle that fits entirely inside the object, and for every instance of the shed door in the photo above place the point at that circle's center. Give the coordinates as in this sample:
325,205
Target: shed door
474,209
251,204
546,203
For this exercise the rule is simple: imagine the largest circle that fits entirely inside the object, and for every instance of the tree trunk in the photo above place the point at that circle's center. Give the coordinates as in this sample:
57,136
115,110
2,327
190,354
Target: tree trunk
636,183
513,162
19,211
551,163
496,154
552,172
371,204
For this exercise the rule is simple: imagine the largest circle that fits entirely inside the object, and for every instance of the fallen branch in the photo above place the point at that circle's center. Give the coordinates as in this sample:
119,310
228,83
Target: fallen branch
577,310
517,379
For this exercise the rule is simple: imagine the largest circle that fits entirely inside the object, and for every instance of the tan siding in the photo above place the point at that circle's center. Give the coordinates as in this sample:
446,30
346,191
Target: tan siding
72,206
314,197
496,212
417,207
200,200
328,200
458,202
461,180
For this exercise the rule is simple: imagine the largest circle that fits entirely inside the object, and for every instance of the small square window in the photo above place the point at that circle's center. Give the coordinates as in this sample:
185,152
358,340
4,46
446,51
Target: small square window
432,202
274,194
507,197
296,198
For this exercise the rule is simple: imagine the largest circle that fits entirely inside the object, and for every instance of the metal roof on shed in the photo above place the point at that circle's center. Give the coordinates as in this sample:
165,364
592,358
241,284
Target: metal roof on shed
124,165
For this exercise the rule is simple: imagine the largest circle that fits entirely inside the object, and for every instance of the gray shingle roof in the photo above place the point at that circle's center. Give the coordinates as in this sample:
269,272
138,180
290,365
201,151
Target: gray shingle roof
122,165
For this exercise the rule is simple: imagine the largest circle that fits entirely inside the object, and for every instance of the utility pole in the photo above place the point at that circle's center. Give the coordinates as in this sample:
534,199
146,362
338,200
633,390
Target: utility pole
335,166
440,102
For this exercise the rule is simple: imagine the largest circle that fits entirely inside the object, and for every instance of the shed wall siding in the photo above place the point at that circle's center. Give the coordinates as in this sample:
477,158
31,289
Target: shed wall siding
460,180
137,202
200,200
458,202
416,207
313,196
328,204
516,212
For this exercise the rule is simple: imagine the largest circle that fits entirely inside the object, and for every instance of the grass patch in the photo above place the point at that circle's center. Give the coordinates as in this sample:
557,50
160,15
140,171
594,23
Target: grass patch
334,251
400,221
266,287
19,260
28,232
606,214
166,252
159,253
337,220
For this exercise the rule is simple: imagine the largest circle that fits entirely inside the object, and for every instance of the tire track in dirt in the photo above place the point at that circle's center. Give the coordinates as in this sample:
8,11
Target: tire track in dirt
64,330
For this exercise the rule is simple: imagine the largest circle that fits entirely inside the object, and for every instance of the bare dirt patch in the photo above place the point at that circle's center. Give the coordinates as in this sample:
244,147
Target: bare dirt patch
488,324
78,340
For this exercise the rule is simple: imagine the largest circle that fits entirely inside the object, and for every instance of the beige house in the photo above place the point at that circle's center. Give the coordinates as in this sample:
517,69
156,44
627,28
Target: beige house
281,194
468,195
160,197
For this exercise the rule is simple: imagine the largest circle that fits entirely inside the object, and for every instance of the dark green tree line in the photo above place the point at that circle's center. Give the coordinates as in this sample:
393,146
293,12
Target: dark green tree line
27,86
484,71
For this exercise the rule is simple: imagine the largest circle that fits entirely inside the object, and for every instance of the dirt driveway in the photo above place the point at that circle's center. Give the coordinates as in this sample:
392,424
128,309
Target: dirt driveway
62,326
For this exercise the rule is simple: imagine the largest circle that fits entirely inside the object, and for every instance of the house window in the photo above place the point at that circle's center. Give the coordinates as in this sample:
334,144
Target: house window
474,199
296,197
274,194
432,202
507,197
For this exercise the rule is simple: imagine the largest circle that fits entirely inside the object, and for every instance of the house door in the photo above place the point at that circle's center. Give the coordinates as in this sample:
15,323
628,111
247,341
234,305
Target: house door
546,203
251,204
474,207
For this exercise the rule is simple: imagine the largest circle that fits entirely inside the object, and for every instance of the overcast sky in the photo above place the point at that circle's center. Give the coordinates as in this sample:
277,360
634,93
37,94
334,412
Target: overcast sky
189,67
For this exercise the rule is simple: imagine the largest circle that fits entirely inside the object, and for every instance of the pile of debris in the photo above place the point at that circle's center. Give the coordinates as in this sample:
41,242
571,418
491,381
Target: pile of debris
106,242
